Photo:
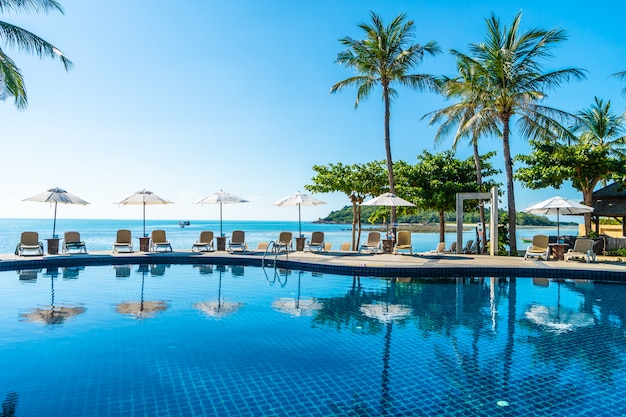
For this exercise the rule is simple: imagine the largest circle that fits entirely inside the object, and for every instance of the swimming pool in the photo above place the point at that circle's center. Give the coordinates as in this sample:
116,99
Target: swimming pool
228,340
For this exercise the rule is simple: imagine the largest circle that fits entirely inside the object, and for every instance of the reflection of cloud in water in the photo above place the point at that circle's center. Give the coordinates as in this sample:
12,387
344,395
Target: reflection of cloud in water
559,320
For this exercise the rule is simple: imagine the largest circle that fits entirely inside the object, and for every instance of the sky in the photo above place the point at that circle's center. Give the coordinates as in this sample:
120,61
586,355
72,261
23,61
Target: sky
187,98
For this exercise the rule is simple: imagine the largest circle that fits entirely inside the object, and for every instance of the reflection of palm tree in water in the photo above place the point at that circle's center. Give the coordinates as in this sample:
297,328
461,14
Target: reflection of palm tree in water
9,405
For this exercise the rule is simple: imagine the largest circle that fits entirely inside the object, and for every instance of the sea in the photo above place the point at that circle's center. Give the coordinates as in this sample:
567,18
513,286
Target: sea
99,234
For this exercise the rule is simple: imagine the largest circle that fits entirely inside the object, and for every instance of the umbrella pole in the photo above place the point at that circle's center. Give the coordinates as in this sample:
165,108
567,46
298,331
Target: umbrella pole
299,222
144,219
221,233
54,222
558,226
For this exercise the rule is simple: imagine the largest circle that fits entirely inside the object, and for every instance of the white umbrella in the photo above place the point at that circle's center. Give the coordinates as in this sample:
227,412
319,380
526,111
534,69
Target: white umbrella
388,200
144,198
56,196
558,205
299,199
221,197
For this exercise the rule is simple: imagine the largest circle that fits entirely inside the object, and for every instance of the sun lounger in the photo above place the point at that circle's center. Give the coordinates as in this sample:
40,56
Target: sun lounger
237,241
403,242
452,248
540,248
284,242
123,240
373,243
159,241
204,242
469,247
71,241
583,249
317,242
441,248
29,241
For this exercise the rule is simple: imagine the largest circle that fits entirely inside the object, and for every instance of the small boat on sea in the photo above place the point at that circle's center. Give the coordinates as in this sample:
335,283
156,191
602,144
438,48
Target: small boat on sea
183,223
526,239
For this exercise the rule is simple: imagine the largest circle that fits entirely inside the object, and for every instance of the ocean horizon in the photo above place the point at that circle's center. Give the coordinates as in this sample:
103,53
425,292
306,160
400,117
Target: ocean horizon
99,234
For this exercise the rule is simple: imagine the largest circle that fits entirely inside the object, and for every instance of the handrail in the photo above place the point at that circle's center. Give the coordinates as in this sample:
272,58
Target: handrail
274,247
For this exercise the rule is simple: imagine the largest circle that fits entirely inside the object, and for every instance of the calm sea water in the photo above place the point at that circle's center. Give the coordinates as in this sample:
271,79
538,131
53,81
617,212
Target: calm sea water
99,234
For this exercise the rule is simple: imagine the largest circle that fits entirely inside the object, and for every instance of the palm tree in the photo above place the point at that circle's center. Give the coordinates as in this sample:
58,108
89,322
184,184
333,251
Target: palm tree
11,79
510,83
620,76
598,125
384,57
601,130
464,116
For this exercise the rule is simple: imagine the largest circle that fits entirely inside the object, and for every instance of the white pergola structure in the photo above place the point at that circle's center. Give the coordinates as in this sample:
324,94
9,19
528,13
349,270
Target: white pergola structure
493,222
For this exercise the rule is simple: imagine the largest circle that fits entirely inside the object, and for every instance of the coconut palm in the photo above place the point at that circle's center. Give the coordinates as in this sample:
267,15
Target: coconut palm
11,79
384,57
599,125
464,117
510,84
620,76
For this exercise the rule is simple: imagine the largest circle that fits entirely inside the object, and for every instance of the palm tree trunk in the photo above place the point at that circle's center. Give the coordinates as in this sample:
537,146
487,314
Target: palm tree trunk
481,205
392,185
508,168
442,226
588,201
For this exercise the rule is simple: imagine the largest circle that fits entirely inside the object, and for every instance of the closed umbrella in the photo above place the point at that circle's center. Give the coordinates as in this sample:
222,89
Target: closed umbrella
56,196
221,197
299,199
558,205
388,200
144,198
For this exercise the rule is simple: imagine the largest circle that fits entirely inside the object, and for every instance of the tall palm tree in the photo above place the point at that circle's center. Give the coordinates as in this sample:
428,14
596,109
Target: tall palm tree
512,83
11,79
465,118
384,57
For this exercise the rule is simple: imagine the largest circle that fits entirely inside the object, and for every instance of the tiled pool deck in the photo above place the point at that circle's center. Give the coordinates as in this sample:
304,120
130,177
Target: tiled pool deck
346,263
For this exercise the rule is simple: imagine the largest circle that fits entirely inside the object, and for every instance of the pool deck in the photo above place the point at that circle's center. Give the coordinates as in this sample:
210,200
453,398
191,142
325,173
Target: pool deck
345,263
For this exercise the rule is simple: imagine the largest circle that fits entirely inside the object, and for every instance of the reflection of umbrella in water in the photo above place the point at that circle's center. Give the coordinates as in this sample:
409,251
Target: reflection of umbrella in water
220,308
298,306
387,313
56,196
144,198
557,319
141,309
558,205
53,314
299,199
221,197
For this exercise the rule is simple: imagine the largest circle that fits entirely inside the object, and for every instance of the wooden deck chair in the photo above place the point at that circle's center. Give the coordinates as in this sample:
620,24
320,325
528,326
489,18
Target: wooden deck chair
237,241
403,242
71,241
373,243
317,242
539,248
583,249
262,245
123,240
345,247
29,241
204,242
159,240
283,242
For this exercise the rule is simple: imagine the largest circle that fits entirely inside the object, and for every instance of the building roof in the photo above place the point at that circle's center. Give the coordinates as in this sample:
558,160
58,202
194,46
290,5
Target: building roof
610,201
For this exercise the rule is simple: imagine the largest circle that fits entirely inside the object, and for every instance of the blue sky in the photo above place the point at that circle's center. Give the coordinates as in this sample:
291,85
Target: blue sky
186,98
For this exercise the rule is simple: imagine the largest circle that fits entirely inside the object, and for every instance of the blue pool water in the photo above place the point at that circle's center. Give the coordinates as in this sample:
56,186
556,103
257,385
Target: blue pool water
209,340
